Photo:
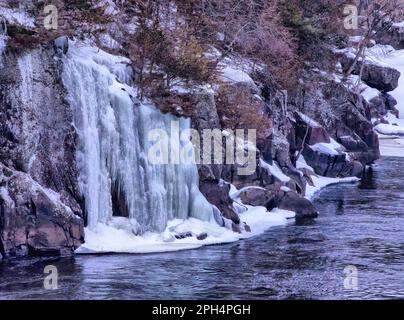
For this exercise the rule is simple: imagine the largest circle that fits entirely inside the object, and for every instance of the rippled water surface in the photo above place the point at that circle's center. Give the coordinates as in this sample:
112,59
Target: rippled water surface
361,225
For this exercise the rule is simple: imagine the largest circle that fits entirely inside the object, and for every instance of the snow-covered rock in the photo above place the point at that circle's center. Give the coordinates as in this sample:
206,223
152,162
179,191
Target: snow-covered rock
15,16
34,220
237,73
38,146
376,75
393,37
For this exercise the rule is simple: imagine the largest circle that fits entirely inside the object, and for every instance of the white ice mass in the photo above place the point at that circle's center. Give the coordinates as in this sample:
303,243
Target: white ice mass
115,176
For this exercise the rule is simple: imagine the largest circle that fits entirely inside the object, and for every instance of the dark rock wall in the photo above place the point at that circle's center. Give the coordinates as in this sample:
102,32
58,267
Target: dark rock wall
37,145
393,37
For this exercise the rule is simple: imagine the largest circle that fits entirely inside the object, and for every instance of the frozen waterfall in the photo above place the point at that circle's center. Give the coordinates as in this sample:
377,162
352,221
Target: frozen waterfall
115,175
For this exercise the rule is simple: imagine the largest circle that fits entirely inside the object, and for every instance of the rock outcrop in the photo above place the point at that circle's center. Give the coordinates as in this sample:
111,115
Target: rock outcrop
33,220
346,118
374,75
394,36
41,206
382,104
322,153
210,175
277,198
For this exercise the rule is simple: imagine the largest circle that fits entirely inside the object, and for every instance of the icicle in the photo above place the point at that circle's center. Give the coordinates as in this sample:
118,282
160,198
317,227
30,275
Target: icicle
112,149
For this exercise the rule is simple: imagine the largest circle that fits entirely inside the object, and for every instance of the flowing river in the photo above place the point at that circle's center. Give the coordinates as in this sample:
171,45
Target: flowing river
361,229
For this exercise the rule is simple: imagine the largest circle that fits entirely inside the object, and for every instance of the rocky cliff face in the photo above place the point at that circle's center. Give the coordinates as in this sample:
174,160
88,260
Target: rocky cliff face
322,123
39,199
41,206
331,113
345,117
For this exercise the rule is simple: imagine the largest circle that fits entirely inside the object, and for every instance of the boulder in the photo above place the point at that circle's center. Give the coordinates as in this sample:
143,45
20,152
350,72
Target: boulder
391,104
378,106
298,181
350,117
328,165
307,174
357,169
318,135
301,206
265,146
217,193
281,148
380,77
374,75
324,163
262,197
277,198
205,115
202,236
351,143
310,130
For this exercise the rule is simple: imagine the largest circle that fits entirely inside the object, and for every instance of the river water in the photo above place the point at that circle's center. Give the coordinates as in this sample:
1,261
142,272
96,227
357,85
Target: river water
361,227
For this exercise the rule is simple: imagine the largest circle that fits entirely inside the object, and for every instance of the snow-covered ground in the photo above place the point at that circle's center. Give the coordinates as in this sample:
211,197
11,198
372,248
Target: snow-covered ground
117,236
234,74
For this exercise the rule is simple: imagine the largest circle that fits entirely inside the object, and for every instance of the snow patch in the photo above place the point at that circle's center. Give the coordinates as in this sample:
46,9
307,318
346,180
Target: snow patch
391,146
399,24
17,16
275,171
302,164
333,148
109,238
109,7
235,194
389,129
309,121
234,72
5,196
369,93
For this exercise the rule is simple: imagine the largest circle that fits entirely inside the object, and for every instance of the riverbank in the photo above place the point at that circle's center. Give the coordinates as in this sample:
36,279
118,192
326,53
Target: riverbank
117,236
